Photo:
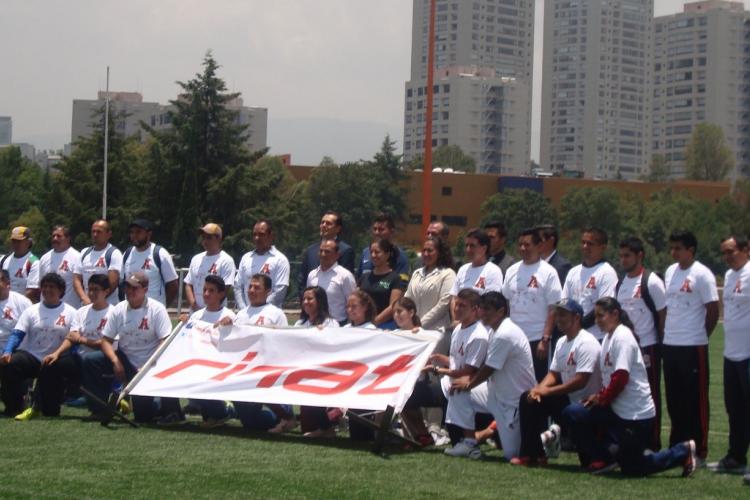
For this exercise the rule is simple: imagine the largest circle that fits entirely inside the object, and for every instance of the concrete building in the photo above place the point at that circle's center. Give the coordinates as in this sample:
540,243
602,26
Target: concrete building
28,151
484,65
6,130
702,74
157,116
595,87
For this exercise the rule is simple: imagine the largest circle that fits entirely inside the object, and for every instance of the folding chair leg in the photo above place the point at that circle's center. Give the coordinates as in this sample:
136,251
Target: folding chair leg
383,430
110,410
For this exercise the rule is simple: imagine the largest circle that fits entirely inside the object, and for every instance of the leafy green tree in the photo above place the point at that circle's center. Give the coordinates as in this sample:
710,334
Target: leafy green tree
21,184
33,218
658,169
518,209
707,156
447,156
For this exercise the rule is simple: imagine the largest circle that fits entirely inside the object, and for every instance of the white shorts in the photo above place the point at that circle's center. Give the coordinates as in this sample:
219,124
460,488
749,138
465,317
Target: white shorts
463,406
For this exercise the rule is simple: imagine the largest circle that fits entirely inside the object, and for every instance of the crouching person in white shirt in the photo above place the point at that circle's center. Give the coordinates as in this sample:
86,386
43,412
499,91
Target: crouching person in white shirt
467,353
139,324
260,313
508,370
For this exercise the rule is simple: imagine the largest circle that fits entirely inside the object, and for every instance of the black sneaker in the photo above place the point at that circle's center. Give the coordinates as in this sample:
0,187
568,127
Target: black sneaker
727,465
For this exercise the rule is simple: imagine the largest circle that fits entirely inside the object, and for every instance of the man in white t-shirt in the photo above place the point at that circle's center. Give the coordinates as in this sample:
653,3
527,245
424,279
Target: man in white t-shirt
265,259
100,258
12,304
591,280
508,370
152,260
692,314
39,332
532,288
139,324
643,296
467,353
65,261
332,277
22,264
736,296
573,376
213,261
478,273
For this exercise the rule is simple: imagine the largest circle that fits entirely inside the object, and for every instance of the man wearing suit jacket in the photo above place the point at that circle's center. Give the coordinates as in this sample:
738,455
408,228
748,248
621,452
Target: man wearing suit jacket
331,225
548,246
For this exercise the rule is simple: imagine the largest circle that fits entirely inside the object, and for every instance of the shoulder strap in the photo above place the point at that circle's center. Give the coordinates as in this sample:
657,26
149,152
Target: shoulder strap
618,285
157,259
85,253
108,255
125,257
5,258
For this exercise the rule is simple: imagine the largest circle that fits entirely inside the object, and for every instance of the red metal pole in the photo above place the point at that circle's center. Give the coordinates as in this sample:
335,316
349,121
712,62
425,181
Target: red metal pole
427,168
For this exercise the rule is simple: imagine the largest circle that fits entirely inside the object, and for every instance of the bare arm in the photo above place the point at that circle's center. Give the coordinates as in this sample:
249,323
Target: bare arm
190,296
387,313
712,316
78,287
171,290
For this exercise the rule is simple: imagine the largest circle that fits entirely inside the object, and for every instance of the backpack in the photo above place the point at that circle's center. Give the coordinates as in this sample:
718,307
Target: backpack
107,254
645,295
154,256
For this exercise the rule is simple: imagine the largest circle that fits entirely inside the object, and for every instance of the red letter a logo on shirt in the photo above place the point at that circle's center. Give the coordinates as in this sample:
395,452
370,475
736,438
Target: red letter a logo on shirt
144,324
8,314
100,262
637,293
607,362
212,269
64,266
146,264
19,273
533,283
60,321
738,287
479,283
102,324
265,269
592,283
686,286
260,321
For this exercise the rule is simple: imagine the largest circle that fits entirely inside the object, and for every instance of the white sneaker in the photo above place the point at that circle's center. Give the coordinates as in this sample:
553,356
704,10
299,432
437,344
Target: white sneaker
464,449
746,477
551,441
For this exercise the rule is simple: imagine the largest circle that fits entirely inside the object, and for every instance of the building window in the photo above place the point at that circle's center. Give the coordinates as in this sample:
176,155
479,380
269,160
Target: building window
454,220
447,191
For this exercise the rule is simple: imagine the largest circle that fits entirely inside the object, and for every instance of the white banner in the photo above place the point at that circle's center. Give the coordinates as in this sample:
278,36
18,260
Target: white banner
333,367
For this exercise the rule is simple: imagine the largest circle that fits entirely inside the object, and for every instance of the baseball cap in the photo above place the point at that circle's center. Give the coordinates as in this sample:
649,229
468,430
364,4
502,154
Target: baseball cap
570,305
142,223
138,278
20,233
211,228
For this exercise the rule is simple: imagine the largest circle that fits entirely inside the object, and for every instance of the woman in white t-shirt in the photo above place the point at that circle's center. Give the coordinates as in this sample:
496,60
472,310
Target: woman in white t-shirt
624,407
360,310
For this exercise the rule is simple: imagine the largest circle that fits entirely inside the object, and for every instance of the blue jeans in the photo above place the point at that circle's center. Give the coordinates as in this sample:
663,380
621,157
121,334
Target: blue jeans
254,417
603,436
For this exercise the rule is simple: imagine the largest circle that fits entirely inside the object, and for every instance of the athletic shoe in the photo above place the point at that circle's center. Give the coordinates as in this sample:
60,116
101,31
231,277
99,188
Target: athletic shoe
321,433
76,402
601,467
551,441
284,425
212,423
727,465
746,477
124,406
28,414
173,418
691,462
464,449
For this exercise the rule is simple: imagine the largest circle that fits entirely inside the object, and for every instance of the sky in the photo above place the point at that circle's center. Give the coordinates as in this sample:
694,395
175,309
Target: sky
330,72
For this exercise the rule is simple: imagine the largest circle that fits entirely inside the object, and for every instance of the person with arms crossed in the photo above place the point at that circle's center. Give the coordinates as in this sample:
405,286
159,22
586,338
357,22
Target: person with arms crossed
624,407
573,376
42,328
335,279
22,264
532,289
65,261
100,258
264,259
152,260
642,295
213,261
692,314
591,280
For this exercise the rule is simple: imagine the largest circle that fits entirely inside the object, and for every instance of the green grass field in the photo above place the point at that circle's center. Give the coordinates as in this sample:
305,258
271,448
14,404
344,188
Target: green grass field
66,458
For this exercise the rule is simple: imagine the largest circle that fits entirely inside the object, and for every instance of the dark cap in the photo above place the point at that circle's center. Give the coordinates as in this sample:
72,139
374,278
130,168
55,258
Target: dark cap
142,223
138,278
570,305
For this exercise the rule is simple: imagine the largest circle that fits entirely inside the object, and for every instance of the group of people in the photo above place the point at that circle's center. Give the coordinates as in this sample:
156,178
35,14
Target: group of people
525,342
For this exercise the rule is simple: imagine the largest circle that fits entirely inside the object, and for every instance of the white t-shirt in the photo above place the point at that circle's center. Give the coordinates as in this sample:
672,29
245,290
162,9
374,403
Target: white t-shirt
22,275
369,325
90,323
531,289
737,314
468,346
265,315
485,278
212,316
580,355
339,283
586,285
620,351
45,328
509,354
10,311
138,331
143,261
202,265
65,264
274,264
328,323
95,262
688,292
629,297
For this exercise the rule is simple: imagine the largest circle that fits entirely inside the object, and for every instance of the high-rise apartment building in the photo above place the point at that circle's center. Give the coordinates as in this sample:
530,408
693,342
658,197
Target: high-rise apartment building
6,130
484,65
702,75
157,116
595,87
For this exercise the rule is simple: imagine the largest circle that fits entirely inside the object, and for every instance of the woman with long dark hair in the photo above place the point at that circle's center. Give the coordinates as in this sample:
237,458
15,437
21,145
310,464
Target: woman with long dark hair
383,284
